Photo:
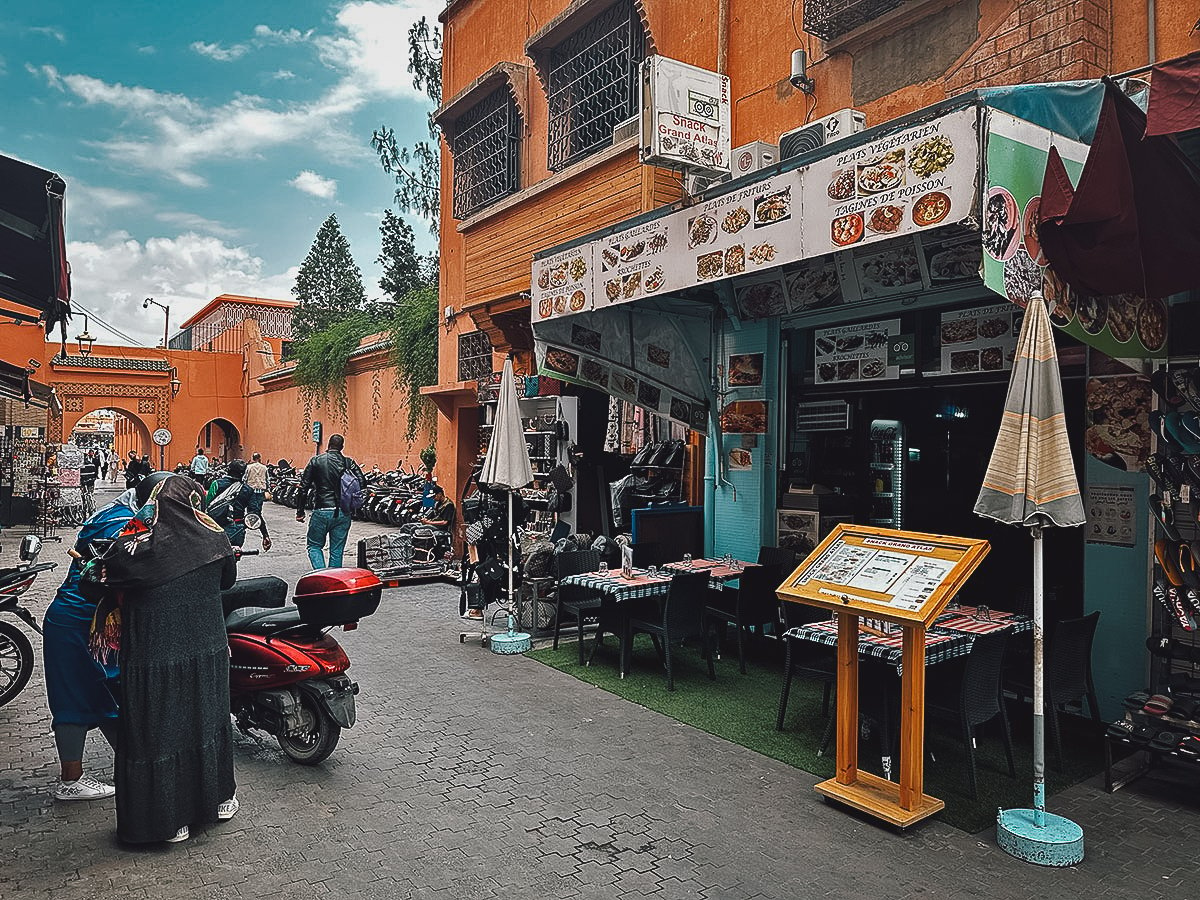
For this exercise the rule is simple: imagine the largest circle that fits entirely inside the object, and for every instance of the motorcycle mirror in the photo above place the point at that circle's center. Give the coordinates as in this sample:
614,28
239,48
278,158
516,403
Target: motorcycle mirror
31,546
253,521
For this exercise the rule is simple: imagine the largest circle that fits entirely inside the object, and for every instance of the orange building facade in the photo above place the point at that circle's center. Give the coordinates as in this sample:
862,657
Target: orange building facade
510,69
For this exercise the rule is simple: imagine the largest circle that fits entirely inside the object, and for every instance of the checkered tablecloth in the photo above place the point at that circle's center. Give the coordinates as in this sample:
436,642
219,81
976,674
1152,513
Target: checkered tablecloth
615,587
718,572
943,642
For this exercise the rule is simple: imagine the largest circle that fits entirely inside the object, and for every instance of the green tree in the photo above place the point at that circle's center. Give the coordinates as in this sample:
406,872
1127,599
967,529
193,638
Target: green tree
404,269
329,284
417,169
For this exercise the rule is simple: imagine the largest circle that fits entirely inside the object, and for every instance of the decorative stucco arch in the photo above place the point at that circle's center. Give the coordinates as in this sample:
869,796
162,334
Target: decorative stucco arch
148,406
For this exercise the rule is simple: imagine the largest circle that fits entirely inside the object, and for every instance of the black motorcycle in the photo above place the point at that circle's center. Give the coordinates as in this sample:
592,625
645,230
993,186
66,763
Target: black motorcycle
16,652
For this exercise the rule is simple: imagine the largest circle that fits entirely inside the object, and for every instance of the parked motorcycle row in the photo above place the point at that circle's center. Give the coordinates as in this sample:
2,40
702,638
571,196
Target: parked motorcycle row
392,498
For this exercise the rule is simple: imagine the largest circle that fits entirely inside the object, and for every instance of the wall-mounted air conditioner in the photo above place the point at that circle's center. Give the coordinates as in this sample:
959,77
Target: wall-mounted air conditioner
833,127
744,160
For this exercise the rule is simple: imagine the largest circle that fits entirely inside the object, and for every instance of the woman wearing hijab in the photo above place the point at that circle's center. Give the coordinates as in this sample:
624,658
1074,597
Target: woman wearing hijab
78,687
162,610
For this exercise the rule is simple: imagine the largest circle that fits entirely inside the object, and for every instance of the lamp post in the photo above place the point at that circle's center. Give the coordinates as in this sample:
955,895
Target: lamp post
85,340
166,322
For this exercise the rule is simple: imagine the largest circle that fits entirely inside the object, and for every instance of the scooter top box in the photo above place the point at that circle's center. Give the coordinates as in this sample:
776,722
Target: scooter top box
337,596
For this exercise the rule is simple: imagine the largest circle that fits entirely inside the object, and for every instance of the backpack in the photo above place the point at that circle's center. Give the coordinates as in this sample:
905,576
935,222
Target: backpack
351,495
220,508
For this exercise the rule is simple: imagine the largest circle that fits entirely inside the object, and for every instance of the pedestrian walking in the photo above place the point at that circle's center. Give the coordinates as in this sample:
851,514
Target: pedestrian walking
199,467
256,477
174,752
87,473
135,469
230,499
113,464
104,465
79,689
322,479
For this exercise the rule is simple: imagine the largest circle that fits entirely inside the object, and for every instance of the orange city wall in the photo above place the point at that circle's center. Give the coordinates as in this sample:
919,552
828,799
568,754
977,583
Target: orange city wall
375,424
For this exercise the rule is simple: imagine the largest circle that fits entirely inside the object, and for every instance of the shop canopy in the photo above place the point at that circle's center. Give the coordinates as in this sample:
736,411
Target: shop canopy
924,210
33,264
16,384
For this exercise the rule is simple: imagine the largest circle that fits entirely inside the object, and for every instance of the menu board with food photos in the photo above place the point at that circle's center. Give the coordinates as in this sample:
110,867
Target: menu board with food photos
906,182
814,284
982,339
854,352
562,284
631,264
741,232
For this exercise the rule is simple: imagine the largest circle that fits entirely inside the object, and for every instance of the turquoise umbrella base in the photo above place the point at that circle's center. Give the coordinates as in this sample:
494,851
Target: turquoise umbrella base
1057,843
510,642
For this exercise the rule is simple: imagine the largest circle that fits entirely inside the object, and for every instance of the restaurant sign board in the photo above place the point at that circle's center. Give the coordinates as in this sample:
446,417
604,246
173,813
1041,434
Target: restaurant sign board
685,116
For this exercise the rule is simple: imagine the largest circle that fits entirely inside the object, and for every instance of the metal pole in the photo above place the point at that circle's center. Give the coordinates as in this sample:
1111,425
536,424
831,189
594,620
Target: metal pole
510,552
166,325
1039,714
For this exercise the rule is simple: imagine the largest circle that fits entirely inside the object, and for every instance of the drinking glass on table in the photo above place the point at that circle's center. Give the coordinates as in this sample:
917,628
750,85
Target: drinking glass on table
982,613
603,568
652,571
687,560
727,560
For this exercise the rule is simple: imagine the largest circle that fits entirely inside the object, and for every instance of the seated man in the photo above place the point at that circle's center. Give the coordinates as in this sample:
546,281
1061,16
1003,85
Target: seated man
440,514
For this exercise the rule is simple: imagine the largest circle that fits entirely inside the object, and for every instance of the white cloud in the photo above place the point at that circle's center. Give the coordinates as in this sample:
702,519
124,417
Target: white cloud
311,183
187,221
113,274
173,135
219,53
49,31
283,75
147,49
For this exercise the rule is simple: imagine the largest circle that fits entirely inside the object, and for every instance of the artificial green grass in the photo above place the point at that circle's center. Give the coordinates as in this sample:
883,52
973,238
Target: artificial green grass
742,709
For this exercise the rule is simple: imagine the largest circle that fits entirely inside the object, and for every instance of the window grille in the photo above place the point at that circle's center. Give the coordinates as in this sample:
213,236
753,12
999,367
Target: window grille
830,19
474,356
486,143
592,83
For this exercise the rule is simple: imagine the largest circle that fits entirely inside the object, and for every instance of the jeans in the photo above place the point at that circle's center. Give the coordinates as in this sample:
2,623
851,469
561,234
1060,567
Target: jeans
324,522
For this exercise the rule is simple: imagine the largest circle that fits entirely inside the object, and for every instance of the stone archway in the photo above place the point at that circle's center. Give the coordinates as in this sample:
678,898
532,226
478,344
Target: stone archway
220,438
146,406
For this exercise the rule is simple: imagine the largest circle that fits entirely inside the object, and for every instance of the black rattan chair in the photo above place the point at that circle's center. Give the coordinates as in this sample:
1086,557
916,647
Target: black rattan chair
979,699
575,600
683,617
1069,673
803,659
753,603
786,559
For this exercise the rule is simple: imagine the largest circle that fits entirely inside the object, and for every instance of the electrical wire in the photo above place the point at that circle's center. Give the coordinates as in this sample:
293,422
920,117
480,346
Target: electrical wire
83,309
811,107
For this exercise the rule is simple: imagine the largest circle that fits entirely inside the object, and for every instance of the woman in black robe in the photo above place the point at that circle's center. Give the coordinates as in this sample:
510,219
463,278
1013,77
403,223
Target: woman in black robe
165,573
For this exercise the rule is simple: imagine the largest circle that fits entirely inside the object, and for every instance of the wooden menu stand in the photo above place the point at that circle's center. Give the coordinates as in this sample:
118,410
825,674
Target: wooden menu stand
924,571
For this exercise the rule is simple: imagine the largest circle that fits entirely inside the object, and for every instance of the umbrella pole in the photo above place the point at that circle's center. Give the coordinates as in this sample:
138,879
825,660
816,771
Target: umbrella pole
510,551
1039,708
1034,835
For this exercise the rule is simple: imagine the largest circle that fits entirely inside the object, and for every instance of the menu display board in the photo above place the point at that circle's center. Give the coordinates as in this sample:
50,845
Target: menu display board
902,576
983,339
562,284
856,352
1110,512
903,183
631,264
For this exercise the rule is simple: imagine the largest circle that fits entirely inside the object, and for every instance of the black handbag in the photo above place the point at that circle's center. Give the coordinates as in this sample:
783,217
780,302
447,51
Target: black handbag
557,501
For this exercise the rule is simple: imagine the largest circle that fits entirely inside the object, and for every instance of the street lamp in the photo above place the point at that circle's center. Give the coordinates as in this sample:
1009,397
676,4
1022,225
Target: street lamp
176,384
85,340
166,323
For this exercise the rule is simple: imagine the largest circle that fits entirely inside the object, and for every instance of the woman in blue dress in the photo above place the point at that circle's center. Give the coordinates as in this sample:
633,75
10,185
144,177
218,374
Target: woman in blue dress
77,686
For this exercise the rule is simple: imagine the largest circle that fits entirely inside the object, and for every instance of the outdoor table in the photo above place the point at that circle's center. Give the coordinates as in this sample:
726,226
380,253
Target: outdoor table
718,572
950,637
616,595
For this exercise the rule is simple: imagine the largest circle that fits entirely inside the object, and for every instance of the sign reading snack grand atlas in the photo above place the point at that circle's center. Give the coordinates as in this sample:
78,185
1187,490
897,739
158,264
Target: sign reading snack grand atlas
685,114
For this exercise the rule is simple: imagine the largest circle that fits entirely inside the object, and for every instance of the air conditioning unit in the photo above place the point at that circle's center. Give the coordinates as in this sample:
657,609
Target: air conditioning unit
623,131
744,160
823,415
833,127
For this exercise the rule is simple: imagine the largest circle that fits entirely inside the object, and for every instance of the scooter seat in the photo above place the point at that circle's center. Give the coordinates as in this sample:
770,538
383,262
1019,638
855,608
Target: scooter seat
261,592
258,619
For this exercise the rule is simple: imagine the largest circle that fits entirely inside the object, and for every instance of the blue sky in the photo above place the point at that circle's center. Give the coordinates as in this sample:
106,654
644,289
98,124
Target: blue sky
203,143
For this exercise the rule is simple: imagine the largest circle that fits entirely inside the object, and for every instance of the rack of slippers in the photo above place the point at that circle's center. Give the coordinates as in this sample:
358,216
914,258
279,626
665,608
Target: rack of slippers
1164,722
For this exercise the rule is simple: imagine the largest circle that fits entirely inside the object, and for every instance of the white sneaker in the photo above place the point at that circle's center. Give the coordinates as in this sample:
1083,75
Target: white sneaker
181,835
228,809
86,788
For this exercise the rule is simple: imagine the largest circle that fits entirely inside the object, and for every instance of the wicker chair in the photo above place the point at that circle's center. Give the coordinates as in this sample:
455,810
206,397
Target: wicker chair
683,617
753,603
979,699
803,659
785,559
577,601
1069,673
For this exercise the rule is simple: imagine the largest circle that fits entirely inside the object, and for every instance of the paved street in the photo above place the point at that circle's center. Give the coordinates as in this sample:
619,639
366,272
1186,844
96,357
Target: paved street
472,775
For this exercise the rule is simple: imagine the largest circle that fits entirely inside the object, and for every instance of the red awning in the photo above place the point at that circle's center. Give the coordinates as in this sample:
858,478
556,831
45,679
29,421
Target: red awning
1130,226
1174,96
33,260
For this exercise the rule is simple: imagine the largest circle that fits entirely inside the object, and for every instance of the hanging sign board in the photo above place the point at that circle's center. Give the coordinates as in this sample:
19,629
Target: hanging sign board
562,283
884,573
685,116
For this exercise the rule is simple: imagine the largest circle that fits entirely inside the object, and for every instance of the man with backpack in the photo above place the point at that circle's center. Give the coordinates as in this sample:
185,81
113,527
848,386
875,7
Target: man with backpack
336,484
230,500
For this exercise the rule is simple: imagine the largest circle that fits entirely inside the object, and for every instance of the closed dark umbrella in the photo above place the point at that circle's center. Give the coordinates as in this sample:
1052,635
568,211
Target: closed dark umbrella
1030,481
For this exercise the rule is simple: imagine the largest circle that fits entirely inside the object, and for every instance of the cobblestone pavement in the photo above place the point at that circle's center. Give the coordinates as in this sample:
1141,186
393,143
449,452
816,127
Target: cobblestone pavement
472,775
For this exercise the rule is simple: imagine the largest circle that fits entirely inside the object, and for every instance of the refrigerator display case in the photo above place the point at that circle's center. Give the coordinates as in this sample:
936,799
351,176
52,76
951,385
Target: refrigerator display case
889,453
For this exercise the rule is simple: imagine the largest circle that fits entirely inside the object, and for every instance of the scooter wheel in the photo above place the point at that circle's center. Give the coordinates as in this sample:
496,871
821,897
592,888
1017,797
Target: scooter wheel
318,739
16,661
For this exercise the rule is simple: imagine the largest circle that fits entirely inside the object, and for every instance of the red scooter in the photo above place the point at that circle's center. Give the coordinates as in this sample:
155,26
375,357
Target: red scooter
287,674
